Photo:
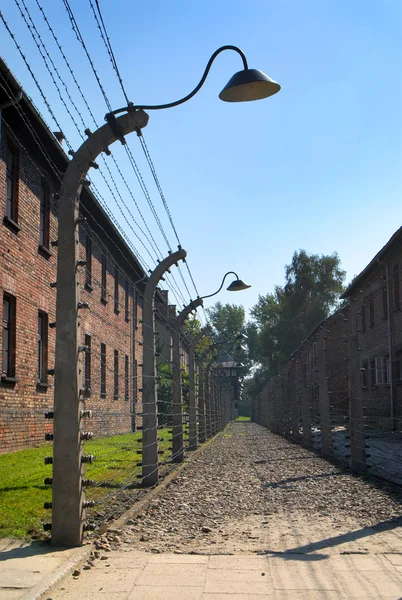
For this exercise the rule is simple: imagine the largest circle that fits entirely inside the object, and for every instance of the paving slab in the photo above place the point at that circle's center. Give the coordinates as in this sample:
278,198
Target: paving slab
381,585
24,567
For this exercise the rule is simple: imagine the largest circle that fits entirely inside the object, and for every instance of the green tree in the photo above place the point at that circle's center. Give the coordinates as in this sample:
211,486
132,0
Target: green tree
284,318
228,320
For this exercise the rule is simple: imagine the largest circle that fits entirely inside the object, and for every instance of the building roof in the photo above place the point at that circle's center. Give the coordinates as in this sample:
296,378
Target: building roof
395,240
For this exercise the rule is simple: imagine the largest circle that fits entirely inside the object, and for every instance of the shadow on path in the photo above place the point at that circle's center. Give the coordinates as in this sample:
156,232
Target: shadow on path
303,552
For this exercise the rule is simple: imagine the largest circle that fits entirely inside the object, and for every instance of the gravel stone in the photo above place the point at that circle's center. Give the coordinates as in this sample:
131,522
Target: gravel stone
252,490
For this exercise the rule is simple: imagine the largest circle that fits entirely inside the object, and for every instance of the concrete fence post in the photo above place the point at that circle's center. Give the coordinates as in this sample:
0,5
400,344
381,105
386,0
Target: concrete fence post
324,399
68,493
202,432
177,398
358,459
306,403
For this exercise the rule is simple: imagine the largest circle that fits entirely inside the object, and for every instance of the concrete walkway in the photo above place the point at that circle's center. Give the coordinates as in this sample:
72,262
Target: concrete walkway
131,575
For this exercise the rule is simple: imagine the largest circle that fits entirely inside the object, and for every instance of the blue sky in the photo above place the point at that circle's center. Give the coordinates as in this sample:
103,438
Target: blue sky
317,166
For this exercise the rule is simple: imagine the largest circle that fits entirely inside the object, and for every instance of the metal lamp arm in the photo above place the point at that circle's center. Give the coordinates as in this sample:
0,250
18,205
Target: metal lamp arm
223,281
195,90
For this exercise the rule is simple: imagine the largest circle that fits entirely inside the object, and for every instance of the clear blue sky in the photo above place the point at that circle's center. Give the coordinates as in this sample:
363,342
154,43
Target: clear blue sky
318,166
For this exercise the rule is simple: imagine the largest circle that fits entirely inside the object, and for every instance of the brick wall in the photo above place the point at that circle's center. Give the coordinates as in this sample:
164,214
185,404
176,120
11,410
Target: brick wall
26,274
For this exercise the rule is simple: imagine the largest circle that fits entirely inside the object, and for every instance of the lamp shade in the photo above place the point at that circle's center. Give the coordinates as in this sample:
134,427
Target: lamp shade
237,285
249,84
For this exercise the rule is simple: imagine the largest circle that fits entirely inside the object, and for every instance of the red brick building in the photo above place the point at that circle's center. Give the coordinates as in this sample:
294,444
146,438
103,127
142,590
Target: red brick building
32,162
377,293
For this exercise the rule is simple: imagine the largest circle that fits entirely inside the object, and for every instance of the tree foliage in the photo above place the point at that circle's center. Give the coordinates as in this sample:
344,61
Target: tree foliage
284,318
228,320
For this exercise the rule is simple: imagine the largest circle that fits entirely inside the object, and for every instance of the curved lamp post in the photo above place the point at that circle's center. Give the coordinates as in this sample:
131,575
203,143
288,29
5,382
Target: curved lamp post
244,86
177,418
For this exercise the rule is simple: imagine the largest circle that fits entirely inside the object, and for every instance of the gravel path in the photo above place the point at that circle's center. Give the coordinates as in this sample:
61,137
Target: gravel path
253,491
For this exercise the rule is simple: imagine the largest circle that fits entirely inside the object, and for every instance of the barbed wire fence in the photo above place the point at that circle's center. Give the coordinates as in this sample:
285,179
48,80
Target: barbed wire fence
340,393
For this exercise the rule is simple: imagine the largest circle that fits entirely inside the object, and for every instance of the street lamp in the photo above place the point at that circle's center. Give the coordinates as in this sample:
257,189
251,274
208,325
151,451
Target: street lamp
236,286
244,86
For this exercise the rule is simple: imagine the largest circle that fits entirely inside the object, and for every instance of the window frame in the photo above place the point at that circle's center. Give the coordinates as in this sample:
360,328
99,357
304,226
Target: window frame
384,302
126,378
44,216
116,375
116,290
363,316
396,287
381,369
126,301
371,311
103,277
9,326
11,208
103,376
88,261
87,366
43,348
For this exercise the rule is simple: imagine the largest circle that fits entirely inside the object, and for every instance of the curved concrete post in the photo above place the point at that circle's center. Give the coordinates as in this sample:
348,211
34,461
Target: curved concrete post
68,470
191,380
150,458
177,402
210,400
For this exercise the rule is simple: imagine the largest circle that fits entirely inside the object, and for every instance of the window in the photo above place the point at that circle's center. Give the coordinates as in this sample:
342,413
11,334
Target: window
135,387
298,396
381,367
316,393
116,375
103,277
398,367
364,376
126,301
314,355
12,177
44,200
135,296
126,378
397,299
9,329
371,310
87,367
363,317
384,302
373,379
116,290
103,371
88,260
42,347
